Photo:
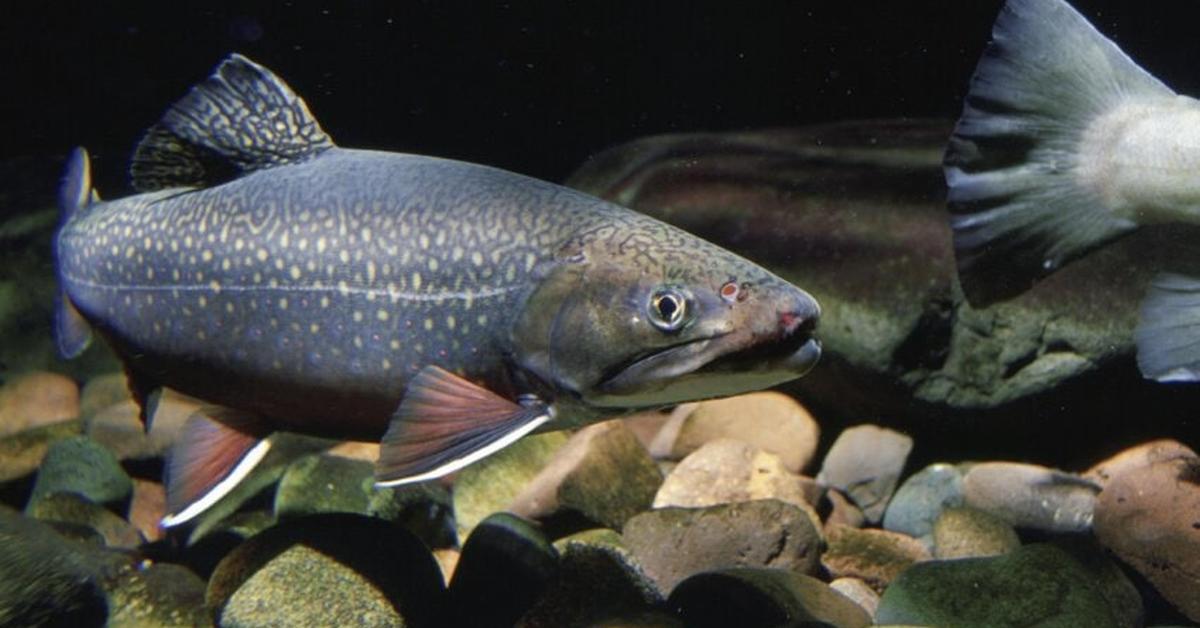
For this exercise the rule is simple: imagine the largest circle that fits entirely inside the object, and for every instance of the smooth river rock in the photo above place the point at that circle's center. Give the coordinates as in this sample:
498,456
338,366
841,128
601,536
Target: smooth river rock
762,598
1031,496
865,463
36,399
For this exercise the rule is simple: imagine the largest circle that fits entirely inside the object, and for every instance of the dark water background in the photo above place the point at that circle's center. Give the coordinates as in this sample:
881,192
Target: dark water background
534,87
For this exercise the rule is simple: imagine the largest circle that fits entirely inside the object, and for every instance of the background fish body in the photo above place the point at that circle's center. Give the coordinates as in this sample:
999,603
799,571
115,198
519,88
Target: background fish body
446,307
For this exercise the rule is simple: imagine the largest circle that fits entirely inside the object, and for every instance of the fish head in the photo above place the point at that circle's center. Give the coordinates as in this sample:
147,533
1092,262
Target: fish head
652,316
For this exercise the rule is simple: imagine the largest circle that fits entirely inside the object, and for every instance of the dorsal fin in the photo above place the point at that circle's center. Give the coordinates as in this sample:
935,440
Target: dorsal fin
240,119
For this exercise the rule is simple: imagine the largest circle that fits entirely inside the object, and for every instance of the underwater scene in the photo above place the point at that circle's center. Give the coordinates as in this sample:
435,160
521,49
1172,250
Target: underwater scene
582,314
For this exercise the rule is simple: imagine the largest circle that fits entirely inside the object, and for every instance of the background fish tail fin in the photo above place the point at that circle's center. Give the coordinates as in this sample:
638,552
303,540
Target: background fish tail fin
72,332
1019,207
1168,332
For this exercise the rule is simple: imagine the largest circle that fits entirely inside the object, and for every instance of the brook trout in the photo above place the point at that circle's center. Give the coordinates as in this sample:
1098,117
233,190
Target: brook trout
444,308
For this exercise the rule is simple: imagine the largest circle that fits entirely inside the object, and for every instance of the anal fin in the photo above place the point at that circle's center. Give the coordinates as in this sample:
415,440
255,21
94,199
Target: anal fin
216,450
445,423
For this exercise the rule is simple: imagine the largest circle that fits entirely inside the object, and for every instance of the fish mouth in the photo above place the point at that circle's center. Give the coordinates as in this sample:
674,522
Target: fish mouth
718,365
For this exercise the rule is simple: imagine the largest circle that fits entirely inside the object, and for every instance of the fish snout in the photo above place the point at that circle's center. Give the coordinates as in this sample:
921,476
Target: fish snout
799,316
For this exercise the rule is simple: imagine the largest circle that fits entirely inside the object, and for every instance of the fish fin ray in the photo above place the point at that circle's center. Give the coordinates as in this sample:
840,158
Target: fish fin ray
216,450
445,423
1168,331
72,332
241,119
1018,210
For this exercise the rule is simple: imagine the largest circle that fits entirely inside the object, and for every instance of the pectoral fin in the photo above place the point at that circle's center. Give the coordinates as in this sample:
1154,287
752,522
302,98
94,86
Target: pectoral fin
216,450
445,423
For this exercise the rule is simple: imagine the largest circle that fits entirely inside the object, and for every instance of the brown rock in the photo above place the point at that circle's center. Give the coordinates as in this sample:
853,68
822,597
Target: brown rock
36,399
74,509
674,543
724,471
1142,455
967,532
356,450
1031,496
21,454
771,421
865,463
147,507
1150,517
874,556
859,592
119,427
843,512
646,425
102,391
603,472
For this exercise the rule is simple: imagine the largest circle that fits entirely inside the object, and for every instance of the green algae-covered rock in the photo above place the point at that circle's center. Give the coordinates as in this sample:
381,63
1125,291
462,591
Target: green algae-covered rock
1036,586
491,484
20,454
80,465
318,483
73,508
333,569
425,509
967,532
159,595
504,567
753,597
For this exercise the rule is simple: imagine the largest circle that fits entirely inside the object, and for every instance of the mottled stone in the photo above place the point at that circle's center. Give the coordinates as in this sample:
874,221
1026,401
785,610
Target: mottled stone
597,582
602,473
859,592
21,454
967,532
102,391
318,483
842,511
332,569
727,471
865,462
37,399
1031,496
1136,457
1036,585
875,556
505,565
921,498
80,465
1149,516
72,508
675,543
491,484
159,595
771,421
745,596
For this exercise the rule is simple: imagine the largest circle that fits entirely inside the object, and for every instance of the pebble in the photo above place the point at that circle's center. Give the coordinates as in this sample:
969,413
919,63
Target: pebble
675,543
1133,458
37,399
102,391
1149,516
72,508
865,462
80,465
727,471
502,549
602,473
921,498
771,421
859,592
159,595
21,454
491,484
147,508
875,556
333,569
747,596
967,532
646,425
1035,585
319,483
842,512
1031,496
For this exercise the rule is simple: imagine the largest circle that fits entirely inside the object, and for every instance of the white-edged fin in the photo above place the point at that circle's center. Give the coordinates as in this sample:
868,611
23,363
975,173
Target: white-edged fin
242,118
445,423
1168,332
217,450
1020,209
72,332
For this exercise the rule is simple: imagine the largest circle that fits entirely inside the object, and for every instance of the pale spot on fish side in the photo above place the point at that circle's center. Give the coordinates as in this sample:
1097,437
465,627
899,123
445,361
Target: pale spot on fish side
429,324
261,254
358,316
382,315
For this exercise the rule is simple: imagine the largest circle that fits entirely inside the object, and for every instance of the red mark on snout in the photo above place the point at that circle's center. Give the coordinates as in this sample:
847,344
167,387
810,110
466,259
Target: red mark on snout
789,321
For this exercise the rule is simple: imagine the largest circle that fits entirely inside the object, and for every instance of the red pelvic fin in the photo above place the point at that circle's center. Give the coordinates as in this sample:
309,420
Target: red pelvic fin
445,423
217,449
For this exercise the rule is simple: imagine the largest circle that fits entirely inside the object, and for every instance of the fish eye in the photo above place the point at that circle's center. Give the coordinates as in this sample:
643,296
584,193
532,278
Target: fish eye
668,309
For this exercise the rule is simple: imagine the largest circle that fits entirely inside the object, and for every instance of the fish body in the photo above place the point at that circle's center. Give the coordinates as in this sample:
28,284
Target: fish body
1065,144
446,308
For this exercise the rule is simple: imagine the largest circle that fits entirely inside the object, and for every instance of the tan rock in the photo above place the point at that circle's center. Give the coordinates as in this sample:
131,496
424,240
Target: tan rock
119,427
147,507
874,556
36,399
102,391
21,454
1150,517
968,533
356,450
603,473
1142,455
447,560
843,512
859,592
771,421
1031,496
664,440
646,425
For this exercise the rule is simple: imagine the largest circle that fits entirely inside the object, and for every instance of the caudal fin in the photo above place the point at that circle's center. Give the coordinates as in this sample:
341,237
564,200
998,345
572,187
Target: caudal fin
1168,333
1020,207
71,331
